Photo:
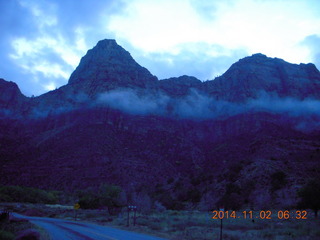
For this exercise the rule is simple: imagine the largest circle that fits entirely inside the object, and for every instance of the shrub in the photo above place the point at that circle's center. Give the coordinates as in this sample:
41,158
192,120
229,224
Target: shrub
27,194
155,226
106,196
143,221
4,235
88,201
278,180
142,201
310,196
29,234
159,207
232,199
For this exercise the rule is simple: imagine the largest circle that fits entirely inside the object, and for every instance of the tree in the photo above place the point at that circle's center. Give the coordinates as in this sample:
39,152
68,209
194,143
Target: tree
278,180
232,199
88,199
110,196
142,201
310,196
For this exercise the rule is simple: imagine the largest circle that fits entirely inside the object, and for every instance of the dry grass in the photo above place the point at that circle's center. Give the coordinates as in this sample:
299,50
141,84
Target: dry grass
9,230
191,225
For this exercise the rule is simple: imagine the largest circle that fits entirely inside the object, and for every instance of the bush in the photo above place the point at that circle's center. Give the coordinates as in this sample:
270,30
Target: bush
194,195
159,207
233,198
8,230
5,198
143,221
88,199
155,226
29,234
142,201
4,235
27,194
106,196
310,196
278,180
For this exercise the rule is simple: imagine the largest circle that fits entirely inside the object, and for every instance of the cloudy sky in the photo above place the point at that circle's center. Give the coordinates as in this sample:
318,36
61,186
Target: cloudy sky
42,41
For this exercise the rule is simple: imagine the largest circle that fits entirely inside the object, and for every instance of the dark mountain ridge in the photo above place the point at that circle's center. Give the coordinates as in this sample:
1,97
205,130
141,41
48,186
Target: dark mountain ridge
115,122
245,78
109,67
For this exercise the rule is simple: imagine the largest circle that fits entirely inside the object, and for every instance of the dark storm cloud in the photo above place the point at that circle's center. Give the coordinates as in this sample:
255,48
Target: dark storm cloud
42,41
39,39
87,14
15,20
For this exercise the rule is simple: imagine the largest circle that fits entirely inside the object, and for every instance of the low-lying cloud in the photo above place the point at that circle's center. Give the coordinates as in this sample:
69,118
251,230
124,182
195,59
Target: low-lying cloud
128,101
201,107
304,114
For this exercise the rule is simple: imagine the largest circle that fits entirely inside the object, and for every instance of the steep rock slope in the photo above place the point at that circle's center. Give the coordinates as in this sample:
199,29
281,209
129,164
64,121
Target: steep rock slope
108,66
67,139
250,76
11,98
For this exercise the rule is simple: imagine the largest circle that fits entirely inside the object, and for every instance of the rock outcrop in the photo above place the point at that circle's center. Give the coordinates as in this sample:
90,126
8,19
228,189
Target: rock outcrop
250,76
11,98
181,86
108,66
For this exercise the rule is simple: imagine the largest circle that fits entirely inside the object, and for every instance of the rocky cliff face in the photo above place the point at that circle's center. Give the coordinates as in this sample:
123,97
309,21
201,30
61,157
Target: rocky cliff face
108,66
11,99
250,76
181,86
115,122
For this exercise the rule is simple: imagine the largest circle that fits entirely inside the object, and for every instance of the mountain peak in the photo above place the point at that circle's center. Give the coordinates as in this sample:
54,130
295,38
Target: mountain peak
260,55
108,65
108,49
11,96
107,43
258,73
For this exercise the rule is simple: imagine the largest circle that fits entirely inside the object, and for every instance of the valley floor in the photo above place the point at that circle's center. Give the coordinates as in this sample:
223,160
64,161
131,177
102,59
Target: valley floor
185,225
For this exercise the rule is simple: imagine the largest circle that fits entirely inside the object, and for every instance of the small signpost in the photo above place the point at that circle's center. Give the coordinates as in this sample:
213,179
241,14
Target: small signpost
76,207
134,209
221,209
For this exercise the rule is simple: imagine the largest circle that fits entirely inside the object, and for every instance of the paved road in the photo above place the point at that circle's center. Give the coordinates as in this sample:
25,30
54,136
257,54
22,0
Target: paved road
60,229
